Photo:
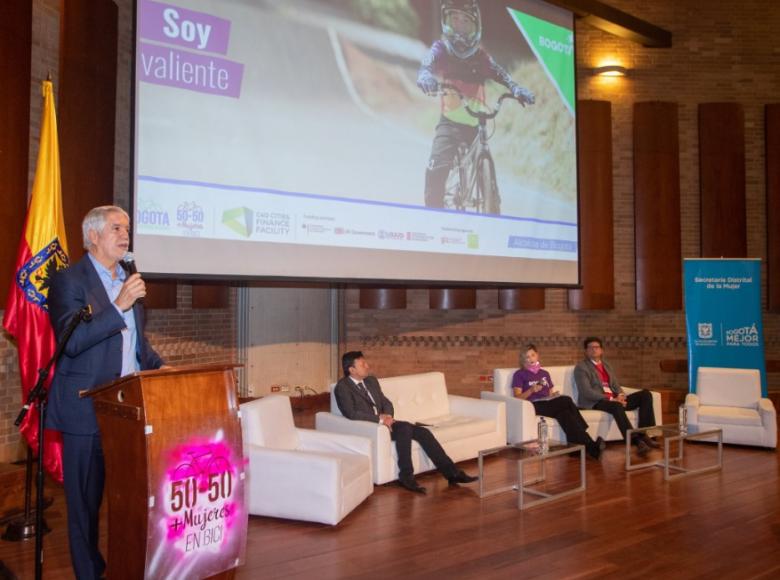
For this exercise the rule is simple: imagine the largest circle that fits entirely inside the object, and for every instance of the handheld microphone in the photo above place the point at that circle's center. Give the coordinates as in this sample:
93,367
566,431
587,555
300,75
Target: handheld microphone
129,263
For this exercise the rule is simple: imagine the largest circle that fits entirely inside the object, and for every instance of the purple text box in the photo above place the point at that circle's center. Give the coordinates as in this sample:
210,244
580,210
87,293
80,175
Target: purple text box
552,245
163,65
173,25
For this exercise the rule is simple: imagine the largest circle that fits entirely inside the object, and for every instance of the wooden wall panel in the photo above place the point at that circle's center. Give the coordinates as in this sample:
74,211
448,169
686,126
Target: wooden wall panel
772,128
15,42
722,180
383,298
597,260
88,68
160,294
452,298
210,296
657,235
521,298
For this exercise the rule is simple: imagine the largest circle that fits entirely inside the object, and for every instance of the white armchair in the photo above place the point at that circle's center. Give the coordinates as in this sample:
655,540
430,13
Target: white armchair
730,399
463,425
301,474
522,420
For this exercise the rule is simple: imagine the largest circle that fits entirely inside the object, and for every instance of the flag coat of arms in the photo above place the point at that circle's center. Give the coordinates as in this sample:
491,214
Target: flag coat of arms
42,251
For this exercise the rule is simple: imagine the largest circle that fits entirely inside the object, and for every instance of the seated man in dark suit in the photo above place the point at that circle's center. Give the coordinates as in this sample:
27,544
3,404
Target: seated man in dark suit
598,388
360,398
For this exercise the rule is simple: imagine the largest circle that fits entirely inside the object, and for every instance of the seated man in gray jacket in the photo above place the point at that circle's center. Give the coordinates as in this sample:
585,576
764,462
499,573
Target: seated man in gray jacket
598,388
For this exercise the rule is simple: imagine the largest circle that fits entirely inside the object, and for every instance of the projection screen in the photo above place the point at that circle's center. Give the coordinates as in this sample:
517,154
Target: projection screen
349,140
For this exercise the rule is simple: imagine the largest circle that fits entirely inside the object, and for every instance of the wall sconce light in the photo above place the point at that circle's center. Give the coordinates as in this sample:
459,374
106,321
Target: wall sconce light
612,70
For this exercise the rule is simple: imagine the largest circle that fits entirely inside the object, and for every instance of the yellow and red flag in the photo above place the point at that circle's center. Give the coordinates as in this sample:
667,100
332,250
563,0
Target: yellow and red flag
43,250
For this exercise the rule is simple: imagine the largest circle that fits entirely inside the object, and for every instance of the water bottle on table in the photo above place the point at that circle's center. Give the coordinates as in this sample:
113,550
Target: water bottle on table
543,435
682,419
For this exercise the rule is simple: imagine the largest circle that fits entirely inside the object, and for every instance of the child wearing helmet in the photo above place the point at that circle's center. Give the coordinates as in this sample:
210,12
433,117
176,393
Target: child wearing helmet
458,59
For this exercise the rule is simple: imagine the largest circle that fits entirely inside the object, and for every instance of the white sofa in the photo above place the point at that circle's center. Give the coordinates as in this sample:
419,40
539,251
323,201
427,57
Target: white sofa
301,474
521,416
730,399
463,425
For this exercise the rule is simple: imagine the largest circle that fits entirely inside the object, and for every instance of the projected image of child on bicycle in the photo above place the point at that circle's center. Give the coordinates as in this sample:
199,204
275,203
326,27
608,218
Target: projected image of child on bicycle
461,172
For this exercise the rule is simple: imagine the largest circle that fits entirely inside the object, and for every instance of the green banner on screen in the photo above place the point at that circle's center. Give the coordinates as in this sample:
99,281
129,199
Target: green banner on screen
553,46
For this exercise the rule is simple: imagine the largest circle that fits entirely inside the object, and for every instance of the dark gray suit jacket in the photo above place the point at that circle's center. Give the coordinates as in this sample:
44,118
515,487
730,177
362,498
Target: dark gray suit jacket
93,355
588,381
356,405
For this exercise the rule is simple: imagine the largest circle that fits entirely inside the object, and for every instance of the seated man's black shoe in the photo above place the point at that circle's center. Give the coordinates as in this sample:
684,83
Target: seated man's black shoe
412,485
597,448
651,442
462,477
642,448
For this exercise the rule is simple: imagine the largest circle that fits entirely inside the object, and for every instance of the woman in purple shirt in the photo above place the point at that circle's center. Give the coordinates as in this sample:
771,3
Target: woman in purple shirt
534,384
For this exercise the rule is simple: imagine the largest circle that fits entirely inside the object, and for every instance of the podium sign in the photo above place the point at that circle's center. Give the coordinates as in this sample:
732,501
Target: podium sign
174,473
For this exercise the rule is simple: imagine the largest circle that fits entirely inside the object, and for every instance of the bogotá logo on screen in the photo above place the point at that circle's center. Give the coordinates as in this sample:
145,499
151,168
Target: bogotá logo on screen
152,216
566,48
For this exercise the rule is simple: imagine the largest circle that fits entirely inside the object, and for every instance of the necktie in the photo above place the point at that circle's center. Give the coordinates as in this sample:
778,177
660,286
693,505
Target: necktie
367,394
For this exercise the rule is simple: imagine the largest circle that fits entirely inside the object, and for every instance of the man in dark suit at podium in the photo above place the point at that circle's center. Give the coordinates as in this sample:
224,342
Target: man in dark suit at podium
360,398
110,344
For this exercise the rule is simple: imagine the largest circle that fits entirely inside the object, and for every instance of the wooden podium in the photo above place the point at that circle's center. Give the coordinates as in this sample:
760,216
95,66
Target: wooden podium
174,473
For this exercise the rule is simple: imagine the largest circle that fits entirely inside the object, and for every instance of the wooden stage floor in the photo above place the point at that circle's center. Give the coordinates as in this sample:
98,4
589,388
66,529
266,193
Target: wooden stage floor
717,525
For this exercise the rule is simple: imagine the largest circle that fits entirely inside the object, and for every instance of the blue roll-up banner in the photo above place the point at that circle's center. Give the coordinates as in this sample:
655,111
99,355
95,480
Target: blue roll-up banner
723,316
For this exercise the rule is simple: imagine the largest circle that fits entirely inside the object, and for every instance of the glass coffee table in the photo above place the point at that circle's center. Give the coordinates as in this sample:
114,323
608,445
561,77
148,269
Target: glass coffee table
673,464
526,453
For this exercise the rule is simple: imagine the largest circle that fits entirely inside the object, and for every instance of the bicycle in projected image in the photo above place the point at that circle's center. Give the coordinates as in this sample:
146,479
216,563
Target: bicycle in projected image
471,183
203,473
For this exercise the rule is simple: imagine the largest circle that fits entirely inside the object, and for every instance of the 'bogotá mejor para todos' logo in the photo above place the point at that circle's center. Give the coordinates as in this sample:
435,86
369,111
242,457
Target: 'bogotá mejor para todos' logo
742,336
34,278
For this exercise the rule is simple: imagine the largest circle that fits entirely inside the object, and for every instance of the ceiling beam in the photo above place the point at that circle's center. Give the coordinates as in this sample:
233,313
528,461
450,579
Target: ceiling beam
617,22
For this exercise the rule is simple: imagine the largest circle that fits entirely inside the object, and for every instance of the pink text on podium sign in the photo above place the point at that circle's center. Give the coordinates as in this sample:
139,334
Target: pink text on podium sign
197,523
